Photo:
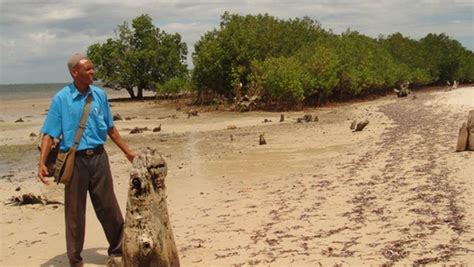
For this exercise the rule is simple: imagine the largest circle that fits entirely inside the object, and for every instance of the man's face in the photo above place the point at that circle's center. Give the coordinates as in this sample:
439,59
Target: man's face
83,72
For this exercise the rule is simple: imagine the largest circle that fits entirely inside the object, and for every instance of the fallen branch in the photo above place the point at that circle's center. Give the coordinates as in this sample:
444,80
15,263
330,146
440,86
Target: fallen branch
30,199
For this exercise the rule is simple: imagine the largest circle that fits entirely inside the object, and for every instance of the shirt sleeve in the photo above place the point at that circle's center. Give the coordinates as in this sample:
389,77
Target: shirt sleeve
108,113
52,125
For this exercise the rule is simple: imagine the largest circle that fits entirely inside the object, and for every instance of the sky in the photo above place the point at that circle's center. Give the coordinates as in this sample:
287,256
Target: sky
38,36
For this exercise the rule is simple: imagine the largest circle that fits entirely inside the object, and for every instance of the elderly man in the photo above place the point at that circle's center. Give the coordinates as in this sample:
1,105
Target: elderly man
91,166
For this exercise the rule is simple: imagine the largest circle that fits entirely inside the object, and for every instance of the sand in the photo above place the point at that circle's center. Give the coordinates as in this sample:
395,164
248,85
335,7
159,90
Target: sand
315,194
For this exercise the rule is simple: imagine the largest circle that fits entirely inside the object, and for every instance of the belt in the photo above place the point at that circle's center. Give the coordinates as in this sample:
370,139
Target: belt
92,151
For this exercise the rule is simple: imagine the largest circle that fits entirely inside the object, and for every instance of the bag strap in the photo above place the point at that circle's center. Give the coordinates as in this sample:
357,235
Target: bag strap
82,124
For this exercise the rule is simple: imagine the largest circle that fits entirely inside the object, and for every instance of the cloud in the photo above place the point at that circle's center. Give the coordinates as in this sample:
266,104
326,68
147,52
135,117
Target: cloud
37,36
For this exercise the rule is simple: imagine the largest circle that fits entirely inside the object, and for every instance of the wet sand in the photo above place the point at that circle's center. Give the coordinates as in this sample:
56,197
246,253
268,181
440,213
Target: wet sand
316,193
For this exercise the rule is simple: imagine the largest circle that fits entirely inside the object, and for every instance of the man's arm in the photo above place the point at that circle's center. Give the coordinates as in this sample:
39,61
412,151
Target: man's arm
46,143
117,138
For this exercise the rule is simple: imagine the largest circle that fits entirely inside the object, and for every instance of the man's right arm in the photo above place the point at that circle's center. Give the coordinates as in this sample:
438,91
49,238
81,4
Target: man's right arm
52,127
46,143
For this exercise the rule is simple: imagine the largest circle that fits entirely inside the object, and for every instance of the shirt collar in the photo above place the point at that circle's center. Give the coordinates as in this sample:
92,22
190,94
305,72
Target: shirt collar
75,93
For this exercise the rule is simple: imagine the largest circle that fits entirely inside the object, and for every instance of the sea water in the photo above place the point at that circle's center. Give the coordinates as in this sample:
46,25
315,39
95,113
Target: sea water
29,91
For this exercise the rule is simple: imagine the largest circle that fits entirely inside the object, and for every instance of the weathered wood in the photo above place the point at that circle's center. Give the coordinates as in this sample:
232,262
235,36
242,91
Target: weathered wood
462,138
31,199
361,125
353,125
404,90
470,128
157,129
282,118
148,238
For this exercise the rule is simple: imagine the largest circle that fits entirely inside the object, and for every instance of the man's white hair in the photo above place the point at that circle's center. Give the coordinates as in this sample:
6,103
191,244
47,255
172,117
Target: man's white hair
74,59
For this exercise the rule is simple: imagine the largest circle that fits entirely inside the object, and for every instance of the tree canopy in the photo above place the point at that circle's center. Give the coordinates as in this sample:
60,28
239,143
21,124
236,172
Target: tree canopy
140,57
289,62
296,60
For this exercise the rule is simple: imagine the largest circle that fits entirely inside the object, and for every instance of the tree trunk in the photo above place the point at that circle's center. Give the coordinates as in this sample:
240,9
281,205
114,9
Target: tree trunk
131,93
148,239
140,93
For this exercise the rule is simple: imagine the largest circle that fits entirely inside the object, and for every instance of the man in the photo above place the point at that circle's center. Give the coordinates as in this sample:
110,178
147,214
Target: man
91,167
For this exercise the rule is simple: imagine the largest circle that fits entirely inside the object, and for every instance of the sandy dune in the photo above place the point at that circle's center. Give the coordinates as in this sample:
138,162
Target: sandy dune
317,193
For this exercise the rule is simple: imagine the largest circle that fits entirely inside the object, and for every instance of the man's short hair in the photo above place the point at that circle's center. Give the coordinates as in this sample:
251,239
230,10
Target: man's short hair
74,59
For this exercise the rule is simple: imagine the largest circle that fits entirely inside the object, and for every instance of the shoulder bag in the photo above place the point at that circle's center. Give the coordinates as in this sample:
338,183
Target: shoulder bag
65,161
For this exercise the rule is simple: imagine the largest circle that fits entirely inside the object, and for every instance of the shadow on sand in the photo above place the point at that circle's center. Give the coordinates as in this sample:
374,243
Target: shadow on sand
95,256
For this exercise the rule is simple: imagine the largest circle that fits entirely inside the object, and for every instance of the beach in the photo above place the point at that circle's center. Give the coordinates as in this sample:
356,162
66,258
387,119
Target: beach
317,193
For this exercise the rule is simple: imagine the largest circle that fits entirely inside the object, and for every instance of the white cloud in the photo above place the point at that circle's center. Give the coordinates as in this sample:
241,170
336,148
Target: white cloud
47,31
42,37
62,14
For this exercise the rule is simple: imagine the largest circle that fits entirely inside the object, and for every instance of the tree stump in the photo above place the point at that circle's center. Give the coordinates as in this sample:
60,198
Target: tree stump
148,238
353,125
470,127
462,138
262,140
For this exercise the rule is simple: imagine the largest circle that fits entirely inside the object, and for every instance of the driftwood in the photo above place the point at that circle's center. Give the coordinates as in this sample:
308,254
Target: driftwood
307,118
148,238
361,125
403,91
450,87
157,129
117,117
138,130
246,103
30,199
466,134
193,112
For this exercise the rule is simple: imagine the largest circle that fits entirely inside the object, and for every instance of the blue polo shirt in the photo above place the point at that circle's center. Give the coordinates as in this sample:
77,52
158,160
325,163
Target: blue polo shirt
65,113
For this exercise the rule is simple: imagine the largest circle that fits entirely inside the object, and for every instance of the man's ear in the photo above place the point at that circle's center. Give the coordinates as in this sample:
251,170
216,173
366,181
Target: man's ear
73,72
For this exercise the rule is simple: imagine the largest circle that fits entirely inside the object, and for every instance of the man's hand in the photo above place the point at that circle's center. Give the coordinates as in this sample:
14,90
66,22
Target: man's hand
115,136
42,172
46,143
131,155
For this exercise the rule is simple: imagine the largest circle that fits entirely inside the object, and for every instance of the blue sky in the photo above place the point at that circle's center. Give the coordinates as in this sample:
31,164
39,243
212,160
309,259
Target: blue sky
37,36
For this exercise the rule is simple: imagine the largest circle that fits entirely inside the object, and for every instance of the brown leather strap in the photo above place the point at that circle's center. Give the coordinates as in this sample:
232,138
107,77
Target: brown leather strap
82,124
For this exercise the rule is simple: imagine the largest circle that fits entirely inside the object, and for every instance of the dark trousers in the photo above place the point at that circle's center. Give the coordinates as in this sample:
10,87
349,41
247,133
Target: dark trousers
91,173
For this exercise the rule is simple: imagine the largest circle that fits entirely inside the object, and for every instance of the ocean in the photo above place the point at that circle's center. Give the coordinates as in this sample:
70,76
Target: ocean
29,91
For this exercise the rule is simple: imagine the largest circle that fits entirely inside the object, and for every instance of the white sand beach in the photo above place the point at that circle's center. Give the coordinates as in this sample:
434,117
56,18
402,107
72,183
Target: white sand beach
316,193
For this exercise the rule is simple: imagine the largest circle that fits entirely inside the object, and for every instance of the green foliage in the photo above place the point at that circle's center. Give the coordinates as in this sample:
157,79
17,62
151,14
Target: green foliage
446,59
365,66
283,61
139,57
436,58
322,64
223,57
280,79
174,86
296,60
211,65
